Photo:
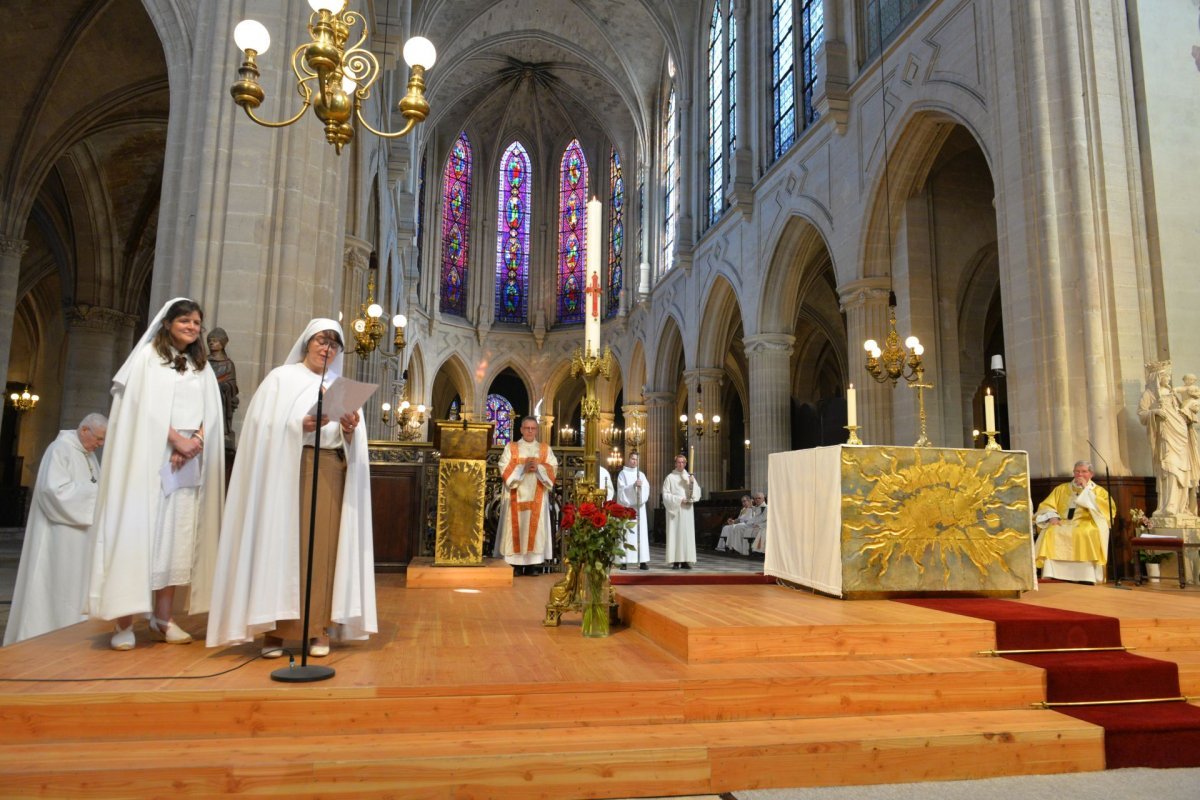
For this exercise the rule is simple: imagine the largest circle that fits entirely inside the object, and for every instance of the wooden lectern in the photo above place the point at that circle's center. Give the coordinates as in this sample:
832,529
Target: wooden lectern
462,491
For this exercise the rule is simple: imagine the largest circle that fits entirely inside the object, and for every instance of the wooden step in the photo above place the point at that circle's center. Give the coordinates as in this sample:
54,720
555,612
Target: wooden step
709,693
597,761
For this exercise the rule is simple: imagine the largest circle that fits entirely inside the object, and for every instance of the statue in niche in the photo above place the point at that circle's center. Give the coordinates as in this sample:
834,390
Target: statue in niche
1170,416
226,373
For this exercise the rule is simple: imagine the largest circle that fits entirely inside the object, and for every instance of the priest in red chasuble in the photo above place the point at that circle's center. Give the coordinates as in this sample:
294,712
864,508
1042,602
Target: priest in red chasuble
527,468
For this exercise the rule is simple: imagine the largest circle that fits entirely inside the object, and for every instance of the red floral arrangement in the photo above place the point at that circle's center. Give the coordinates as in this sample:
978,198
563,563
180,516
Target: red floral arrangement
594,536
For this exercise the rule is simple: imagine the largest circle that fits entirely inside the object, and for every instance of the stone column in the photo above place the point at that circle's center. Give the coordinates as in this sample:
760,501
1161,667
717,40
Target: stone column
11,250
865,303
704,385
91,361
252,218
546,428
770,366
658,454
742,168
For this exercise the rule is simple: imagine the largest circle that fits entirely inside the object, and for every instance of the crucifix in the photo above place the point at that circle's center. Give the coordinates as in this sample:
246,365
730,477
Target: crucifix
593,290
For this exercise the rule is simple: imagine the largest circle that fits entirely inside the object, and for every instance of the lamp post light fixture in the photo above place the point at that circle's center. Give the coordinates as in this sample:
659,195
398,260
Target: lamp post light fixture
335,80
23,401
892,362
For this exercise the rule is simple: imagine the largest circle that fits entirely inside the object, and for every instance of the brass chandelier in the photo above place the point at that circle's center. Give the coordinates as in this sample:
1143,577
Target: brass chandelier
331,78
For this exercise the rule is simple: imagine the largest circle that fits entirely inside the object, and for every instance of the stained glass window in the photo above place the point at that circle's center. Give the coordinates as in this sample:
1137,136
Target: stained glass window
456,222
884,19
812,34
783,78
731,83
716,117
572,232
670,177
499,411
616,232
512,238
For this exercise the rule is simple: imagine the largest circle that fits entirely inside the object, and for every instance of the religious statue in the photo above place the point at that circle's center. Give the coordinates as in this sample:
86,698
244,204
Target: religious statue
1170,416
226,374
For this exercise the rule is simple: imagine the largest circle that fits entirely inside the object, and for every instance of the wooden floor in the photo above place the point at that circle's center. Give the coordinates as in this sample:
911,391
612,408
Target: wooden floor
707,689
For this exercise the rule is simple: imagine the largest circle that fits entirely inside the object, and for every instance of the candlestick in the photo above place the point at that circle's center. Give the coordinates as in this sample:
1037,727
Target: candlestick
989,411
591,311
851,407
692,459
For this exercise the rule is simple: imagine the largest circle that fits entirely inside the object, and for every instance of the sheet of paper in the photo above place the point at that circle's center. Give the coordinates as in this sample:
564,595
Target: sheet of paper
185,477
344,396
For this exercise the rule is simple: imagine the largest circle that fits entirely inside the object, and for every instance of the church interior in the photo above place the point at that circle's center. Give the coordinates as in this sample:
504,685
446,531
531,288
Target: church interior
779,183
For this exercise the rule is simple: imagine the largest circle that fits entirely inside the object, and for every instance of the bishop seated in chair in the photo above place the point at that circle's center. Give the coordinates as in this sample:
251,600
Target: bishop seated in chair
1073,523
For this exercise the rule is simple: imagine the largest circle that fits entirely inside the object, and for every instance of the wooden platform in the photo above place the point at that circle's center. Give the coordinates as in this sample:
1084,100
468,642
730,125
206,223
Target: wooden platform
494,573
709,689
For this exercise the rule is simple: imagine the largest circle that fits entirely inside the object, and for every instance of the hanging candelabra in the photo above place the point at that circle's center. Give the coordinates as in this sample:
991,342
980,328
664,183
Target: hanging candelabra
892,362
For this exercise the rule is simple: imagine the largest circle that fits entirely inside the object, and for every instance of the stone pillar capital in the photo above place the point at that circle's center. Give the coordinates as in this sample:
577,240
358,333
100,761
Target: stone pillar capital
12,246
659,399
866,291
703,375
97,318
769,343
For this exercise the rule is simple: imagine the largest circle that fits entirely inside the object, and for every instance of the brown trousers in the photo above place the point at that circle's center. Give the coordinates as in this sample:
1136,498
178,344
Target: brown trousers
330,488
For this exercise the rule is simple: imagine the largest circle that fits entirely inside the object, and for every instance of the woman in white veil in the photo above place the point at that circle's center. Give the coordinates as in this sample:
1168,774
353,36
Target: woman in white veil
259,583
158,507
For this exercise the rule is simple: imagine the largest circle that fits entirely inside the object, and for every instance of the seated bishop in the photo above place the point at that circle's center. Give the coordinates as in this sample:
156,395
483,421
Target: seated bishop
1073,523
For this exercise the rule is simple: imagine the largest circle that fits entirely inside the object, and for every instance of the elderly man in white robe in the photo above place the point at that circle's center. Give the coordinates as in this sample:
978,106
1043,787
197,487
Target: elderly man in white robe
527,470
1073,522
55,555
632,489
680,491
759,545
738,522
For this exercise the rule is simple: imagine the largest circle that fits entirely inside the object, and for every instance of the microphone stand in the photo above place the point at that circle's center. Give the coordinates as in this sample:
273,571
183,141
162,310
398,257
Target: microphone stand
307,673
1112,528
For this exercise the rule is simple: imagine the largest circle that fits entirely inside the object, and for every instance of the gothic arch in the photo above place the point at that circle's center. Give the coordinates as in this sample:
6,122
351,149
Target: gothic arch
670,352
801,248
452,378
722,315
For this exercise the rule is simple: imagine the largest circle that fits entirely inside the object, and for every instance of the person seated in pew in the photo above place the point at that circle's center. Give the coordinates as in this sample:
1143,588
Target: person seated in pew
741,539
1073,523
734,522
759,545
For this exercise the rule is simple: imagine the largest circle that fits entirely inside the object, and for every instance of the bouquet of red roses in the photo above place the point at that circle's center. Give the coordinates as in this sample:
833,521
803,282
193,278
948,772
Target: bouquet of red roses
594,536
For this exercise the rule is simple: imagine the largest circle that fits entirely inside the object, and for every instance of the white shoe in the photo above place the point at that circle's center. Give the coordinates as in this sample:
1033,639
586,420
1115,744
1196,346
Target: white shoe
167,631
272,647
318,650
123,639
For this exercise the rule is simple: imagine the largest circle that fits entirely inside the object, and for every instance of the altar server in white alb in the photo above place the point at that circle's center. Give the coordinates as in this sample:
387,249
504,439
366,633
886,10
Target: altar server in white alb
680,491
54,556
158,511
261,567
527,469
632,490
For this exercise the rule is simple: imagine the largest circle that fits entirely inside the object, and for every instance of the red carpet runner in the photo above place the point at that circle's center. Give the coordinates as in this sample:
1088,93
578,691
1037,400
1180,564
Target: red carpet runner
686,578
1137,735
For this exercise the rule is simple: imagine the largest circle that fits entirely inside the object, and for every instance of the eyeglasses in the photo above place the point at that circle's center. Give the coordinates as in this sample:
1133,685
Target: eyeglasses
332,344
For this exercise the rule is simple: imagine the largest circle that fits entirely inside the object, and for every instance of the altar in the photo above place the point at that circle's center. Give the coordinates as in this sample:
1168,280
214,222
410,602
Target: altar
868,521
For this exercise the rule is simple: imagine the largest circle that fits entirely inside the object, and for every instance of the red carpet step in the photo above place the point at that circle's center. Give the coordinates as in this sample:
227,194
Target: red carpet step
1165,734
618,578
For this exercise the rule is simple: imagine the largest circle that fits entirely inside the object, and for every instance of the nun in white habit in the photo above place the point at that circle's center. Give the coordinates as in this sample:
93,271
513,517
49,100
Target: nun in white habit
146,542
258,588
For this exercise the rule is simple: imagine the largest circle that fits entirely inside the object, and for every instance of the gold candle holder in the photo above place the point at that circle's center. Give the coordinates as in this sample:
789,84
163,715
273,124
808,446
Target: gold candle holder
992,444
853,434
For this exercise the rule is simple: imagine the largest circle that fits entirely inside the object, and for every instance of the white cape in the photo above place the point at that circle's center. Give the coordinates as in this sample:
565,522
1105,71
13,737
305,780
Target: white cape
54,556
681,523
627,495
130,487
258,577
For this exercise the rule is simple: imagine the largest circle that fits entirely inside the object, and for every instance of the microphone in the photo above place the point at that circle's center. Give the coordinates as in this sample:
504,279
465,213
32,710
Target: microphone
1111,515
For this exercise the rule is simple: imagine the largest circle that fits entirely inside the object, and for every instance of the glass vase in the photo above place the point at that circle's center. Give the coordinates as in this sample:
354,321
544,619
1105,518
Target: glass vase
595,603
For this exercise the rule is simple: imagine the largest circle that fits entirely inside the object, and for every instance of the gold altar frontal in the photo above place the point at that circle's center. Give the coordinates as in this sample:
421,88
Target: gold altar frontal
866,522
462,492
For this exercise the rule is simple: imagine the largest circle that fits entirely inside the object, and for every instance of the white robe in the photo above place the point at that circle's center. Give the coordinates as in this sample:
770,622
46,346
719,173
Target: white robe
681,523
257,580
531,492
130,490
54,556
759,545
627,495
604,481
733,535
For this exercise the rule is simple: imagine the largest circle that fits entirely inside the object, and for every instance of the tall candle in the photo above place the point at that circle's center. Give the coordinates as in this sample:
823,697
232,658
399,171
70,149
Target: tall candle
989,412
851,406
591,311
692,459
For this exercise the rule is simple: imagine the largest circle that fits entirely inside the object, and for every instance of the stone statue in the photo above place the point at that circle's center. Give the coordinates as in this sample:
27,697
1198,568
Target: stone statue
1174,451
226,373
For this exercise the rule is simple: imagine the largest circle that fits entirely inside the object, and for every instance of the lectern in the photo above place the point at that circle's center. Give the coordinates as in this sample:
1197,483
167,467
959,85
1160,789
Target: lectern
462,491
